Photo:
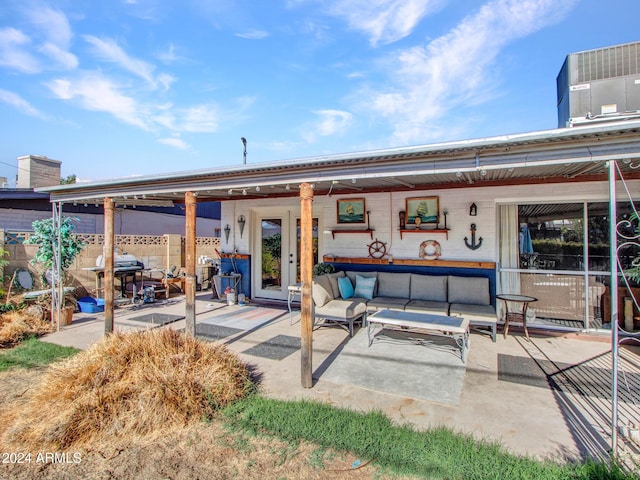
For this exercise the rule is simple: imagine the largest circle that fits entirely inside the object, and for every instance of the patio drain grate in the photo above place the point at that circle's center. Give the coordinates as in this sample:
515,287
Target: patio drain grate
157,318
276,348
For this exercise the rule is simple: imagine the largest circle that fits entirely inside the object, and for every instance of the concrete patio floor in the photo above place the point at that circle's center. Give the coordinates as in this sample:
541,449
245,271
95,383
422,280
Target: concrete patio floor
554,402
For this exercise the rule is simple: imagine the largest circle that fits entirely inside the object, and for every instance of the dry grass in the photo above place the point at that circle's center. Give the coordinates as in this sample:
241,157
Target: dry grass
199,450
15,326
127,386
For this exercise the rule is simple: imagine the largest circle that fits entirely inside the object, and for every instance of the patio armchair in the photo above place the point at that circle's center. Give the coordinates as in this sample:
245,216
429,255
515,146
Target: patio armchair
331,308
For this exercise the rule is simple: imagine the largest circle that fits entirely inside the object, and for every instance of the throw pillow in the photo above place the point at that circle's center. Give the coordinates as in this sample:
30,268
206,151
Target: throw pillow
346,287
364,287
321,291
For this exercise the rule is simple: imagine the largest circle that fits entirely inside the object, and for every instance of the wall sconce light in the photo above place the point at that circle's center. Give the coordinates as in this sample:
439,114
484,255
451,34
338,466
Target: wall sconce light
473,210
227,231
241,223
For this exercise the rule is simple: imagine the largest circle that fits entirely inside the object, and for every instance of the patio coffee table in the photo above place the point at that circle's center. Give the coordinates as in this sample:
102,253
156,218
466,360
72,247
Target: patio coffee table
441,325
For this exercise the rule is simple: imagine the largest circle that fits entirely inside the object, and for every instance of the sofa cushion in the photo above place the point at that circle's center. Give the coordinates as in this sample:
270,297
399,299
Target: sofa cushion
431,288
382,303
484,313
321,291
469,290
342,309
346,287
427,306
393,285
333,281
364,287
352,276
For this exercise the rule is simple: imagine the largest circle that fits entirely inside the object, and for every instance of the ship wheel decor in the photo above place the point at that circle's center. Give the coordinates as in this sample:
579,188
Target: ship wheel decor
377,249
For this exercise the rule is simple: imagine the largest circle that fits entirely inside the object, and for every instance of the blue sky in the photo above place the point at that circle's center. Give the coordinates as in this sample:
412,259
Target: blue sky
114,88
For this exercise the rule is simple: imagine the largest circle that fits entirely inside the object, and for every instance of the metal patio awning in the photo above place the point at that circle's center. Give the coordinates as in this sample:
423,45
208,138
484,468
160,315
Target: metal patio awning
561,155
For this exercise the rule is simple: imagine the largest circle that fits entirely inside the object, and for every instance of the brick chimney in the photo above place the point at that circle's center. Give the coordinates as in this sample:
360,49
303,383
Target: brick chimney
37,171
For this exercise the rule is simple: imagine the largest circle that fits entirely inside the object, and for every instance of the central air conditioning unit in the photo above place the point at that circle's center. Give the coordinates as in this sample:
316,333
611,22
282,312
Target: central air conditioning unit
600,85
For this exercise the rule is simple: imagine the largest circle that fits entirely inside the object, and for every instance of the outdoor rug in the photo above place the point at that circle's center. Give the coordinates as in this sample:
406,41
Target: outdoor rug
276,348
590,378
214,332
246,318
399,367
157,318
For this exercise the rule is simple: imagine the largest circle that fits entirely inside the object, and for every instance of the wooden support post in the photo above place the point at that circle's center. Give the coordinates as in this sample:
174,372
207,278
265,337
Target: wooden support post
306,271
109,284
190,263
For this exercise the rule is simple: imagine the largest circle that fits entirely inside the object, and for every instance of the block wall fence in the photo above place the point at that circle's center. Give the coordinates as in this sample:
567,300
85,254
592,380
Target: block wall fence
154,251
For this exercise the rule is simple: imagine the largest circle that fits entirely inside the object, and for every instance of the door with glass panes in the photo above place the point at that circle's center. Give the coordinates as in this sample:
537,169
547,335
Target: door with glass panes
277,254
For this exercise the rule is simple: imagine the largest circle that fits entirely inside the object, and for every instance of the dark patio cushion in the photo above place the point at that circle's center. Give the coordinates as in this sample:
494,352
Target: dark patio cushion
470,290
427,306
429,287
333,281
393,284
381,303
486,313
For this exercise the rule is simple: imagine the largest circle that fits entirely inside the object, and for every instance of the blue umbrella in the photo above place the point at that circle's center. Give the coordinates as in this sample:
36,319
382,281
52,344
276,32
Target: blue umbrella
526,246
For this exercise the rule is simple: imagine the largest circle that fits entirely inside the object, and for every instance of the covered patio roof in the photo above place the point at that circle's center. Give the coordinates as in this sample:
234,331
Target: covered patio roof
560,155
577,154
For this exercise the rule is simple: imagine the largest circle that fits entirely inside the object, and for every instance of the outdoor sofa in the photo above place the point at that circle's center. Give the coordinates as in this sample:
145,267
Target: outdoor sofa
346,297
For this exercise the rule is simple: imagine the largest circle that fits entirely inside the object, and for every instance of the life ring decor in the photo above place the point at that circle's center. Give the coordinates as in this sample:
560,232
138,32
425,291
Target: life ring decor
430,250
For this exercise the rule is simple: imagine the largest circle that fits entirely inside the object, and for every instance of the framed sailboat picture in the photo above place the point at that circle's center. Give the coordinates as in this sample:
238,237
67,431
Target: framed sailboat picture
423,210
351,210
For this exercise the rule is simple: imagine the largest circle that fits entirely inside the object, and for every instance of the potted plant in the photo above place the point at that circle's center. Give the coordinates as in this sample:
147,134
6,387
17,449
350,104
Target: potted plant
322,268
47,238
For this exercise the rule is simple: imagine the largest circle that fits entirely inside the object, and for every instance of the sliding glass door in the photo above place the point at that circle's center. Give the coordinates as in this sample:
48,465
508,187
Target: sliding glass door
562,259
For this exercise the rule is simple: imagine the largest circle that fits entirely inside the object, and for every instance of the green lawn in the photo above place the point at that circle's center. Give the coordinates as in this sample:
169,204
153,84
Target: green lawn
33,353
435,454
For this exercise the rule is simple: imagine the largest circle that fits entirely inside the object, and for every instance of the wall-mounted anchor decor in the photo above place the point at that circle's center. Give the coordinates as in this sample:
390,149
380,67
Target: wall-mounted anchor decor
473,245
377,249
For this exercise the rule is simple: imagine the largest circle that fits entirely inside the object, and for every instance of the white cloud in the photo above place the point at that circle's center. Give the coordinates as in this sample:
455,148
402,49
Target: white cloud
110,51
169,55
329,122
165,80
96,92
65,59
201,118
54,26
14,53
384,21
457,68
174,142
253,34
20,104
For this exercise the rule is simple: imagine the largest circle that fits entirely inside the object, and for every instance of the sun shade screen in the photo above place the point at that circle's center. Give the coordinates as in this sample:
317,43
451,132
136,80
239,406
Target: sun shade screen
364,287
346,287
